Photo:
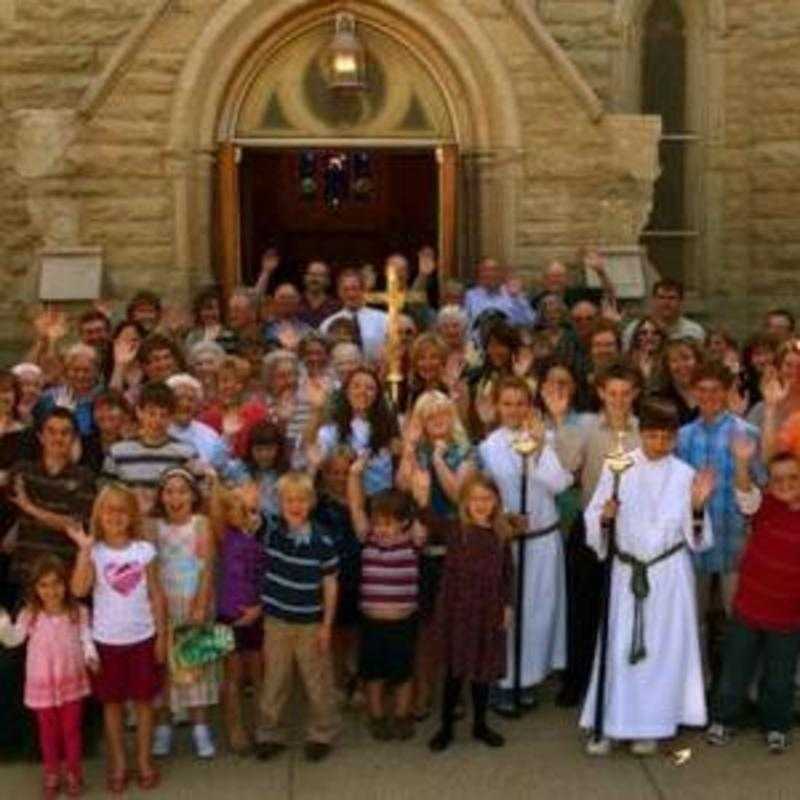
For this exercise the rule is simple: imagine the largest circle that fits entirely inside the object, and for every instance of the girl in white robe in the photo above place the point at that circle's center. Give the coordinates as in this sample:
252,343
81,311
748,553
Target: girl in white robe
649,699
544,643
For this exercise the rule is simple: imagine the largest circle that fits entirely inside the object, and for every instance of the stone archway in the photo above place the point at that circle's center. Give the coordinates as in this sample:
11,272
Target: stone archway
464,62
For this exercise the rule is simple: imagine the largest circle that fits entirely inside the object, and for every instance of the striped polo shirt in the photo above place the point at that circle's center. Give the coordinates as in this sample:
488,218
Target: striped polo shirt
296,564
389,577
137,464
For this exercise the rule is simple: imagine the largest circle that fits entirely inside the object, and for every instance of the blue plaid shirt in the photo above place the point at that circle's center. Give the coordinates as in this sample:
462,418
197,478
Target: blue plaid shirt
703,445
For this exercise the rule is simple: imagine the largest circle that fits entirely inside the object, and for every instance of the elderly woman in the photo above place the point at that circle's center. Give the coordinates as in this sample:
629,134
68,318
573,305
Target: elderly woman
211,447
204,360
232,414
30,380
78,390
286,399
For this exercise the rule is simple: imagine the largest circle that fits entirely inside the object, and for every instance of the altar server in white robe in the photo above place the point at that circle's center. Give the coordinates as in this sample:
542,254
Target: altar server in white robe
544,590
654,675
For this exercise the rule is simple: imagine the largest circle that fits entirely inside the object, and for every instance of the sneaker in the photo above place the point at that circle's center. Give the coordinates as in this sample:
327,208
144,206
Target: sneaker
404,728
644,747
317,751
162,741
718,734
598,747
529,698
777,742
203,743
267,750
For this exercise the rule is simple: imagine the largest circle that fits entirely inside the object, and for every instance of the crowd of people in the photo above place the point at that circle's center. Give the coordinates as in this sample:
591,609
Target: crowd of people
250,464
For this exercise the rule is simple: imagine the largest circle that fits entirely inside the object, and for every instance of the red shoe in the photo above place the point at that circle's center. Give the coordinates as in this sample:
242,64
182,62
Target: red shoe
50,786
73,784
116,784
149,780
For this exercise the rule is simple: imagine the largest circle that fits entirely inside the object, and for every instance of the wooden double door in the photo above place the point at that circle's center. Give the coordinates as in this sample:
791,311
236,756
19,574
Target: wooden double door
346,206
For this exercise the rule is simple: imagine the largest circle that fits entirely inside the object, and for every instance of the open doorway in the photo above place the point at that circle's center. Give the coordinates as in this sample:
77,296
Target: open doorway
348,207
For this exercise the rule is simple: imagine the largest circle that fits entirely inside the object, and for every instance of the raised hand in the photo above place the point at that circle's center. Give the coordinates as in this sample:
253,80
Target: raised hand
288,336
772,389
269,263
703,487
556,400
77,533
125,352
609,310
51,324
359,465
522,362
595,261
485,408
412,435
743,448
453,368
427,261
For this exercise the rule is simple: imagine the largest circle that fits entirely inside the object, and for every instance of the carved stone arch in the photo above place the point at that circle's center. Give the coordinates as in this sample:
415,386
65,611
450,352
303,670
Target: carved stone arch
454,48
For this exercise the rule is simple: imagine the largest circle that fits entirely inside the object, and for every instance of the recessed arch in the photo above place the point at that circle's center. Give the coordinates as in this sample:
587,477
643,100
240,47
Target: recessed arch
451,44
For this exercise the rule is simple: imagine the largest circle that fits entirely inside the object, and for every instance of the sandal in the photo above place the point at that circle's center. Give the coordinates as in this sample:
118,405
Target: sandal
116,784
148,780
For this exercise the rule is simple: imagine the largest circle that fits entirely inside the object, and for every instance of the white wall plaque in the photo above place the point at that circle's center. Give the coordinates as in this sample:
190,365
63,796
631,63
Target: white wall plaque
71,274
625,267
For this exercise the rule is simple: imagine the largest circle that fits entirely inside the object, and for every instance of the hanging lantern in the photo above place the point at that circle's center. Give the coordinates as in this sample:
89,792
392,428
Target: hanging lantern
346,60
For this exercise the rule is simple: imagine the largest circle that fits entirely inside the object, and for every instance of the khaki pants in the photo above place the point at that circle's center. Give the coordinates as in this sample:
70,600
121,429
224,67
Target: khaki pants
286,645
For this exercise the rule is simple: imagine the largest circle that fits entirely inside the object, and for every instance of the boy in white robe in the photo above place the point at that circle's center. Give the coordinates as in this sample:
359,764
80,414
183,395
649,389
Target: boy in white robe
544,617
654,677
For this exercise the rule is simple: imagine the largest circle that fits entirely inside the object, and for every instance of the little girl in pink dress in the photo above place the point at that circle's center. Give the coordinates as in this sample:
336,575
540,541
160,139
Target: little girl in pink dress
60,649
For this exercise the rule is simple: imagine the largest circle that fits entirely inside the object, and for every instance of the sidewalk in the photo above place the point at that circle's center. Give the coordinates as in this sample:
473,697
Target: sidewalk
543,758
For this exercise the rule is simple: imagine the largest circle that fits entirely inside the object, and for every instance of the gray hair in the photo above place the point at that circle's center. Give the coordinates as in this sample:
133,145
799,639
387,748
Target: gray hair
80,350
206,348
452,312
271,361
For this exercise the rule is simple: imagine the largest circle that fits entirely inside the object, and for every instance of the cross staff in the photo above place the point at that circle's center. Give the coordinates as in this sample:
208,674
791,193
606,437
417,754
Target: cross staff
618,461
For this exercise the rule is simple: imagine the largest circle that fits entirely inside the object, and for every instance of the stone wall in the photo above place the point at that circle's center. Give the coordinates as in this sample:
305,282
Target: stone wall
104,175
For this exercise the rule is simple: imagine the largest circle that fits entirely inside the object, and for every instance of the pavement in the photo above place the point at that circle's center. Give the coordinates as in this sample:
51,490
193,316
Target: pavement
543,758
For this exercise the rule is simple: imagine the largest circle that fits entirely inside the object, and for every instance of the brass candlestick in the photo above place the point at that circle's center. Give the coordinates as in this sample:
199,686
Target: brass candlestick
618,461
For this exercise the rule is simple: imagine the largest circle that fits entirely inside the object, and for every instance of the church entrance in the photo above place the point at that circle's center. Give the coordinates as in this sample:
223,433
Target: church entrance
346,206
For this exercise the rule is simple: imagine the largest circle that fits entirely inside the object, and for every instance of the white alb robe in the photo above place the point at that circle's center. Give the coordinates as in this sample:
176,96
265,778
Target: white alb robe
544,617
650,699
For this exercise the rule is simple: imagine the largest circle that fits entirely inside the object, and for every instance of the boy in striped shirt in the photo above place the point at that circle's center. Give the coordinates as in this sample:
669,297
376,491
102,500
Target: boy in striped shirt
389,594
299,597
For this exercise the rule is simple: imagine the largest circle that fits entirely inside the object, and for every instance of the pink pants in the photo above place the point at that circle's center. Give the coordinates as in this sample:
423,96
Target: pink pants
60,737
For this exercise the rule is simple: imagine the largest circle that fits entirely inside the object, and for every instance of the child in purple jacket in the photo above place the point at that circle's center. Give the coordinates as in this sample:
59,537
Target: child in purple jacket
240,567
